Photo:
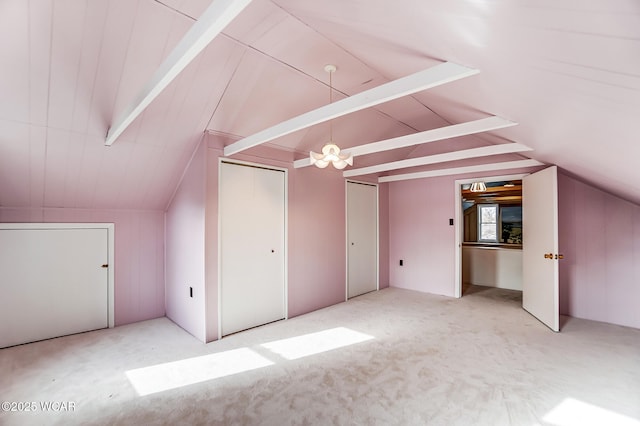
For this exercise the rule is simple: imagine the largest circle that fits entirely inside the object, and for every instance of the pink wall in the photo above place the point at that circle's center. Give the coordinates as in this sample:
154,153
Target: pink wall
420,235
211,243
599,236
185,249
139,254
600,239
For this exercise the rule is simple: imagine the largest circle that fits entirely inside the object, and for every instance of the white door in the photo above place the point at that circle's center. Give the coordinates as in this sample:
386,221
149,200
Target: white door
252,251
540,295
52,283
362,238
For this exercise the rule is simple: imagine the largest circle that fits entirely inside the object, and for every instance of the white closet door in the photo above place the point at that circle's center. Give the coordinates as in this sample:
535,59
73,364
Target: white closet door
362,238
540,272
52,283
252,232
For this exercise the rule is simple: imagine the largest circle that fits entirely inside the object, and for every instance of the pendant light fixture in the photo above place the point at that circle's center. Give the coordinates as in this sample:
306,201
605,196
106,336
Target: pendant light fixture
330,151
478,187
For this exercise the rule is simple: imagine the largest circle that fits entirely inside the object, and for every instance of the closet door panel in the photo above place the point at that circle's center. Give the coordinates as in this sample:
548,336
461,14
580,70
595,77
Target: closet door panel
252,212
362,238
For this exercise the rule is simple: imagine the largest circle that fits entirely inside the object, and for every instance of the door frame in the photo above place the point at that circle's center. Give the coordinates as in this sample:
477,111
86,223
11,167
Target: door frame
346,235
286,232
110,227
459,228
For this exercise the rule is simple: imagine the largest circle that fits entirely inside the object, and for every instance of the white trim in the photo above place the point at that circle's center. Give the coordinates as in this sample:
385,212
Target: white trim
459,228
377,237
110,227
518,164
253,164
219,235
346,240
346,237
111,231
443,73
218,15
286,233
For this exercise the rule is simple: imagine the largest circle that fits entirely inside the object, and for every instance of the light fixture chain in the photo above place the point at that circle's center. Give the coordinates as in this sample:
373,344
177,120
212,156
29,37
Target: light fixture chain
330,151
330,102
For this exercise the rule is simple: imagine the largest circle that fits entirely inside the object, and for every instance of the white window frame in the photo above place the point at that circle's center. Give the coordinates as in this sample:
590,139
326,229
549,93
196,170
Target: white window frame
480,222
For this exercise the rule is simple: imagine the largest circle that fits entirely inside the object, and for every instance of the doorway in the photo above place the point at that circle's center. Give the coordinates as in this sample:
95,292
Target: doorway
488,235
362,238
540,250
56,279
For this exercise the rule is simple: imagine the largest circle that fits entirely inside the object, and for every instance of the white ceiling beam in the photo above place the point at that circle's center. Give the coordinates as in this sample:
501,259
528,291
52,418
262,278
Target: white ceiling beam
507,148
303,162
423,80
217,16
433,135
461,170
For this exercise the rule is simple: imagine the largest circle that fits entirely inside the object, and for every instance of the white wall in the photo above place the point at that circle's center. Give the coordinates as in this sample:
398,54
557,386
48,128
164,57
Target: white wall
492,267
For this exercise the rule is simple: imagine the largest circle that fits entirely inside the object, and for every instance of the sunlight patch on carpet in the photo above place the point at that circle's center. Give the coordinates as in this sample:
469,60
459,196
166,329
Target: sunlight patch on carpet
315,343
172,375
572,412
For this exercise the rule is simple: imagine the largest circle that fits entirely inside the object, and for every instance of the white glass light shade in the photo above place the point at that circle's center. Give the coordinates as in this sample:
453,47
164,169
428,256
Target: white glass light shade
331,154
478,187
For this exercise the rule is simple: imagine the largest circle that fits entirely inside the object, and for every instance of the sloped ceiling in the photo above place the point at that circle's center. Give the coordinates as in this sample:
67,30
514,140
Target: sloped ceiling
567,72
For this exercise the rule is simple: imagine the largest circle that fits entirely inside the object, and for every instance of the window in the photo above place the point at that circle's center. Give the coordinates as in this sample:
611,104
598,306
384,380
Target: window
488,222
511,218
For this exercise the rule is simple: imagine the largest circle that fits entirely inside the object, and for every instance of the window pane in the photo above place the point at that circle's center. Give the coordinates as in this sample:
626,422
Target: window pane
488,222
489,214
488,231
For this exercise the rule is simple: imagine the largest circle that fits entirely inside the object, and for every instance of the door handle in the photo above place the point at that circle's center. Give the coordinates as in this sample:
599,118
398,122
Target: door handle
106,265
559,256
548,255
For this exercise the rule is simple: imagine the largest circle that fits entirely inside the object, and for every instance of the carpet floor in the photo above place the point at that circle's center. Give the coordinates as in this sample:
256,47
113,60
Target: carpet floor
393,357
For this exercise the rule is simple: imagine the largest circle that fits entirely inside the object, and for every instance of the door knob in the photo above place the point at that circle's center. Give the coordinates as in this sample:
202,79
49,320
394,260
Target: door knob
273,251
559,256
106,265
548,255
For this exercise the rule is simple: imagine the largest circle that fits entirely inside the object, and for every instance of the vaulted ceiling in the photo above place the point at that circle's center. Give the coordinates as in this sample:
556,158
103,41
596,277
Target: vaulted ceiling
568,73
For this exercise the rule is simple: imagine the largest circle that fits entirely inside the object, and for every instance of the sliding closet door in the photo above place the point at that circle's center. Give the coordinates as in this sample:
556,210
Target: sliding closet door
252,246
362,238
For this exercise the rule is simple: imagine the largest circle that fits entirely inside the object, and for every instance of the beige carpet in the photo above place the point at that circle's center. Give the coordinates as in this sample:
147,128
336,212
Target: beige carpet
393,357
